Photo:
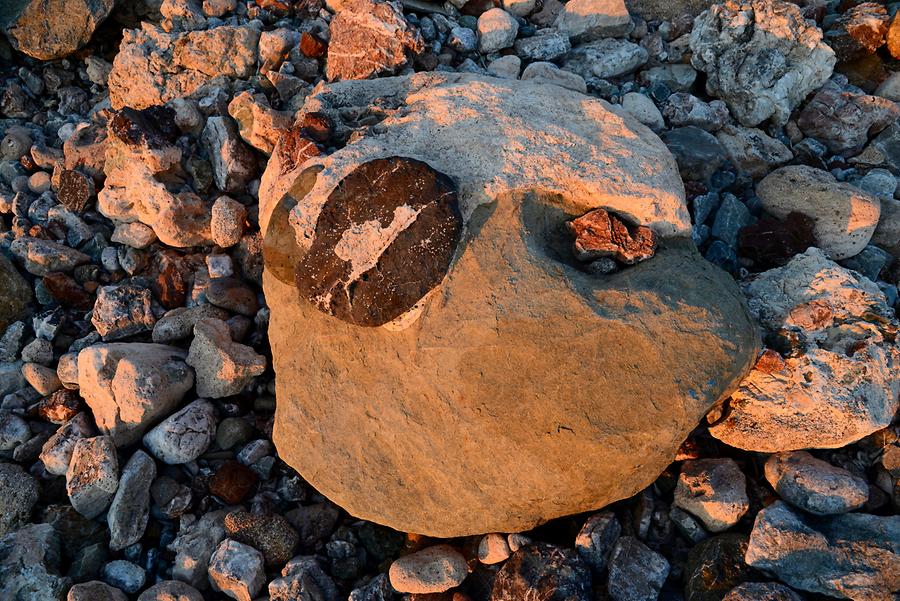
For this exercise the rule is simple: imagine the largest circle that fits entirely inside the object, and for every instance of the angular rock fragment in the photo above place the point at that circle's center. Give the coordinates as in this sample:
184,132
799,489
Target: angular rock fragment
586,20
845,120
608,57
56,453
232,161
14,293
130,508
42,257
93,475
369,37
75,190
271,535
171,590
129,386
715,566
260,125
761,591
236,569
636,572
601,234
752,151
760,56
714,490
858,32
195,544
223,367
543,571
855,556
514,271
52,29
184,435
122,311
303,576
596,539
30,564
838,382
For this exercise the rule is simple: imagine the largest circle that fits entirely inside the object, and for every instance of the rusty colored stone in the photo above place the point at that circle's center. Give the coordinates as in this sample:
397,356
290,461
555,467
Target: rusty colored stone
75,190
893,37
232,482
383,239
311,46
318,127
770,362
859,31
67,292
601,234
154,126
60,407
172,280
771,242
295,148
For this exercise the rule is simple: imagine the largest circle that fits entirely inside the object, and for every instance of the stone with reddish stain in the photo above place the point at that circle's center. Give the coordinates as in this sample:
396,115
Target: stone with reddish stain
601,234
714,490
843,119
67,291
122,311
311,46
317,126
369,37
272,535
384,238
93,475
75,190
858,32
893,37
232,482
60,407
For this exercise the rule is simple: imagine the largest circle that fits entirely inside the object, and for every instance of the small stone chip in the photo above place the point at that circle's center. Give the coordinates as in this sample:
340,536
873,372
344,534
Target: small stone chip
602,234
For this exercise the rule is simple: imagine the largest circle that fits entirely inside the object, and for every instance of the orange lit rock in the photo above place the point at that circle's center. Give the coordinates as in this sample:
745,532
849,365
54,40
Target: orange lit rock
520,388
600,234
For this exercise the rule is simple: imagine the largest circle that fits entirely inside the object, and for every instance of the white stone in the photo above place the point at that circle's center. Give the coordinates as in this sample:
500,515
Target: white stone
497,29
585,20
642,108
237,570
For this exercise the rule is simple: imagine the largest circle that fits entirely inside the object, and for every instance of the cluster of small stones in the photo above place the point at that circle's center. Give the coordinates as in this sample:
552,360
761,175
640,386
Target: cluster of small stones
136,395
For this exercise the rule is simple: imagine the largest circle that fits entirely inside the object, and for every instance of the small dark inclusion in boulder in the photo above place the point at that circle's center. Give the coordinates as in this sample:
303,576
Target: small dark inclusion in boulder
383,239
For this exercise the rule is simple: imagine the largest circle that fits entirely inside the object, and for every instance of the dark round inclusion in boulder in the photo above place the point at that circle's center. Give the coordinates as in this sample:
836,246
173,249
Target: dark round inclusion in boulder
383,239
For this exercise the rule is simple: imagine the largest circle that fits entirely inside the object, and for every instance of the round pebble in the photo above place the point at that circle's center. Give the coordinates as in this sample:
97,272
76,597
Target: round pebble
432,570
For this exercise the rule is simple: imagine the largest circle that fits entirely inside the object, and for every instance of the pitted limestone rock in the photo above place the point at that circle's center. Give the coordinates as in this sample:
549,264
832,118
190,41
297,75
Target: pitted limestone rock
518,387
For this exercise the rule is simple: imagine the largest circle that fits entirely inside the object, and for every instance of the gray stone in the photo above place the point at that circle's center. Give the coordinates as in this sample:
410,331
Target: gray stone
44,256
604,58
752,151
732,216
185,435
547,45
124,575
697,152
543,571
179,323
761,591
542,72
14,431
686,109
171,590
854,556
223,367
194,546
236,569
130,508
15,293
18,494
760,56
122,311
497,29
813,485
636,572
93,475
596,539
303,578
29,565
714,490
232,160
57,451
585,20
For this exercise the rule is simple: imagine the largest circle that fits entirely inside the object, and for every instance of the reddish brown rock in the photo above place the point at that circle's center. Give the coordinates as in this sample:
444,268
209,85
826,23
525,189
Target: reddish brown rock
60,407
49,29
383,239
369,37
75,190
271,535
893,37
66,291
232,482
317,126
601,234
859,31
311,46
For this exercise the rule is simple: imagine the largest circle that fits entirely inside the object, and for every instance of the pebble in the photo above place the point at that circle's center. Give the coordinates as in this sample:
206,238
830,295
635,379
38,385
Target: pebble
93,475
183,436
507,67
42,379
432,570
233,431
493,548
714,490
124,575
233,295
236,569
642,108
232,482
171,590
813,485
497,29
271,535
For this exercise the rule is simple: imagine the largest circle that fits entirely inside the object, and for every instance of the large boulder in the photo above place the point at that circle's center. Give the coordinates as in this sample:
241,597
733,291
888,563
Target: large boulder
48,29
444,365
760,56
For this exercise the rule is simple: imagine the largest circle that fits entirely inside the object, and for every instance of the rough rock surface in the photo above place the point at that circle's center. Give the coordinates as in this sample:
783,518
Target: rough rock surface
813,485
223,367
184,435
855,556
825,396
18,494
14,293
369,37
845,216
418,367
760,56
545,572
93,475
30,564
131,386
713,490
585,20
130,507
431,570
51,29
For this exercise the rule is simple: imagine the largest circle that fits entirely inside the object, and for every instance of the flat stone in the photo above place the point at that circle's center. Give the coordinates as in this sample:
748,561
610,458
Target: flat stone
130,386
543,571
183,436
586,20
698,152
44,256
666,10
604,58
179,323
822,395
223,367
369,37
547,45
855,555
93,475
714,490
845,216
517,273
130,508
601,234
548,73
813,485
788,57
431,570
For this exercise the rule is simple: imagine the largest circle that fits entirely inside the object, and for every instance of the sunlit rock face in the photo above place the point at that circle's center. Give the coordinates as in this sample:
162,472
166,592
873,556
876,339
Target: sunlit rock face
445,364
